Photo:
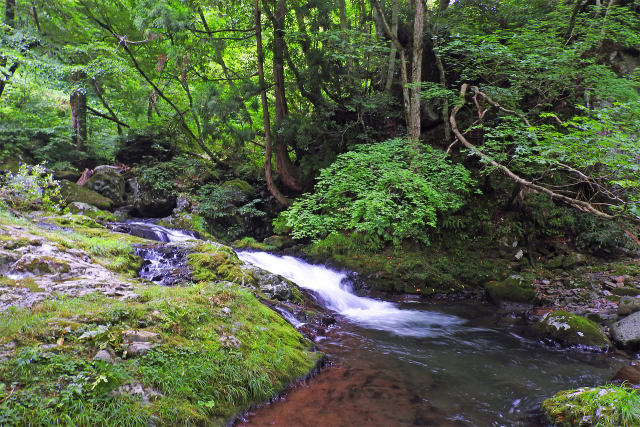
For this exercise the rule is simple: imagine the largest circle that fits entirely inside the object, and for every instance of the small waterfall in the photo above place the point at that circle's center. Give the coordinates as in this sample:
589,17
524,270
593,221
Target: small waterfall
162,264
151,231
336,296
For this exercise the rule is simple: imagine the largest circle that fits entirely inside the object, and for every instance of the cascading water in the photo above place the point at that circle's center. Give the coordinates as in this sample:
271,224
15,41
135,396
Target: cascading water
151,231
428,365
330,286
425,365
162,264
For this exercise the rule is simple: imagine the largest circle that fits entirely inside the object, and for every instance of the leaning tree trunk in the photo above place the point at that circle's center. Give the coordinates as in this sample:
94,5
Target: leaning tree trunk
265,111
78,101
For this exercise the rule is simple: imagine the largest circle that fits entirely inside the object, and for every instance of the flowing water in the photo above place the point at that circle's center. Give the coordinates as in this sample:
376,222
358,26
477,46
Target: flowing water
402,364
421,364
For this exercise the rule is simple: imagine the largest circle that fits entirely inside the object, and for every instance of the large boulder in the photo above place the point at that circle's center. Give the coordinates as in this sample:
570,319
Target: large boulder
626,332
73,192
238,191
571,330
514,289
150,203
108,182
273,286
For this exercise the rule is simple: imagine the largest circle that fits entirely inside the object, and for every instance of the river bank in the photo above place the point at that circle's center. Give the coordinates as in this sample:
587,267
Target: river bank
83,339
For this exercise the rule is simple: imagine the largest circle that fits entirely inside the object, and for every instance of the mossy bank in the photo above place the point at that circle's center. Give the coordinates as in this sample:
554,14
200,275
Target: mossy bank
136,353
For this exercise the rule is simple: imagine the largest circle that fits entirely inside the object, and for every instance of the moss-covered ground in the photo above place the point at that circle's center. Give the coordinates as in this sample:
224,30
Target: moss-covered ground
443,267
218,350
607,406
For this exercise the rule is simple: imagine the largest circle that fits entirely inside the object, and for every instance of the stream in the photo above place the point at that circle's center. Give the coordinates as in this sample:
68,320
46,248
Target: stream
421,364
401,364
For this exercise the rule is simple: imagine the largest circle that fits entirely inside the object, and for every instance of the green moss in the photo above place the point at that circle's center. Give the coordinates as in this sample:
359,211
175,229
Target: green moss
607,406
570,329
186,221
42,265
251,243
412,268
216,263
27,283
199,378
239,185
625,291
12,242
73,220
514,288
76,193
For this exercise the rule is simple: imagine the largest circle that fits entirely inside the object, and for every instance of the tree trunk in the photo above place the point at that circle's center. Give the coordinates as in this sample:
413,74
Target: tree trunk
416,71
443,5
403,62
286,169
9,20
393,51
10,13
572,22
265,111
78,101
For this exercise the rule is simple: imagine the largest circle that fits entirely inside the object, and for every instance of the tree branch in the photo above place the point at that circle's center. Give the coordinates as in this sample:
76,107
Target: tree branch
578,204
104,116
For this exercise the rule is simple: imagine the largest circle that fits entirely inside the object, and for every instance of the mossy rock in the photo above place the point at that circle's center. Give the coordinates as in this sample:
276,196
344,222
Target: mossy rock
514,288
608,406
626,291
91,211
240,191
72,192
41,265
68,174
71,220
251,243
571,330
628,305
573,260
219,263
185,221
108,182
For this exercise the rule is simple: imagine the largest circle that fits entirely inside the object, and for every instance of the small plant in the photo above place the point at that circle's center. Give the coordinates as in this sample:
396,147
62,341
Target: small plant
31,187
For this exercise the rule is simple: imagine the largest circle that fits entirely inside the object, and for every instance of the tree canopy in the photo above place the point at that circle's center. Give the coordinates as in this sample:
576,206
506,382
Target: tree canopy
544,92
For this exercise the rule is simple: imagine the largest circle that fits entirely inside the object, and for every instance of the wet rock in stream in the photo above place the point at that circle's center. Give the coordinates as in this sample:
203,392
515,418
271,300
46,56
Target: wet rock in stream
164,265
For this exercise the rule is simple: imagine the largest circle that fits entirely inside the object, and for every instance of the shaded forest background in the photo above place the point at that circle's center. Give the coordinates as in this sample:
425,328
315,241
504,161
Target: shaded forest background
384,121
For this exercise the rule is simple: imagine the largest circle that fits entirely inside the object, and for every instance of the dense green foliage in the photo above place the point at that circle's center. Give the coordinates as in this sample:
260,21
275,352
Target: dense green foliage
31,187
388,192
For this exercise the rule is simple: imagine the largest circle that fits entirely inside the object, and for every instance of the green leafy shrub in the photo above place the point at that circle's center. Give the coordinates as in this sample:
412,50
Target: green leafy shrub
390,191
31,187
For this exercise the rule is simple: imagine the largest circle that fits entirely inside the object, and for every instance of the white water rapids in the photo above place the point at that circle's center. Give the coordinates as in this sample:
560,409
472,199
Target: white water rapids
366,312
